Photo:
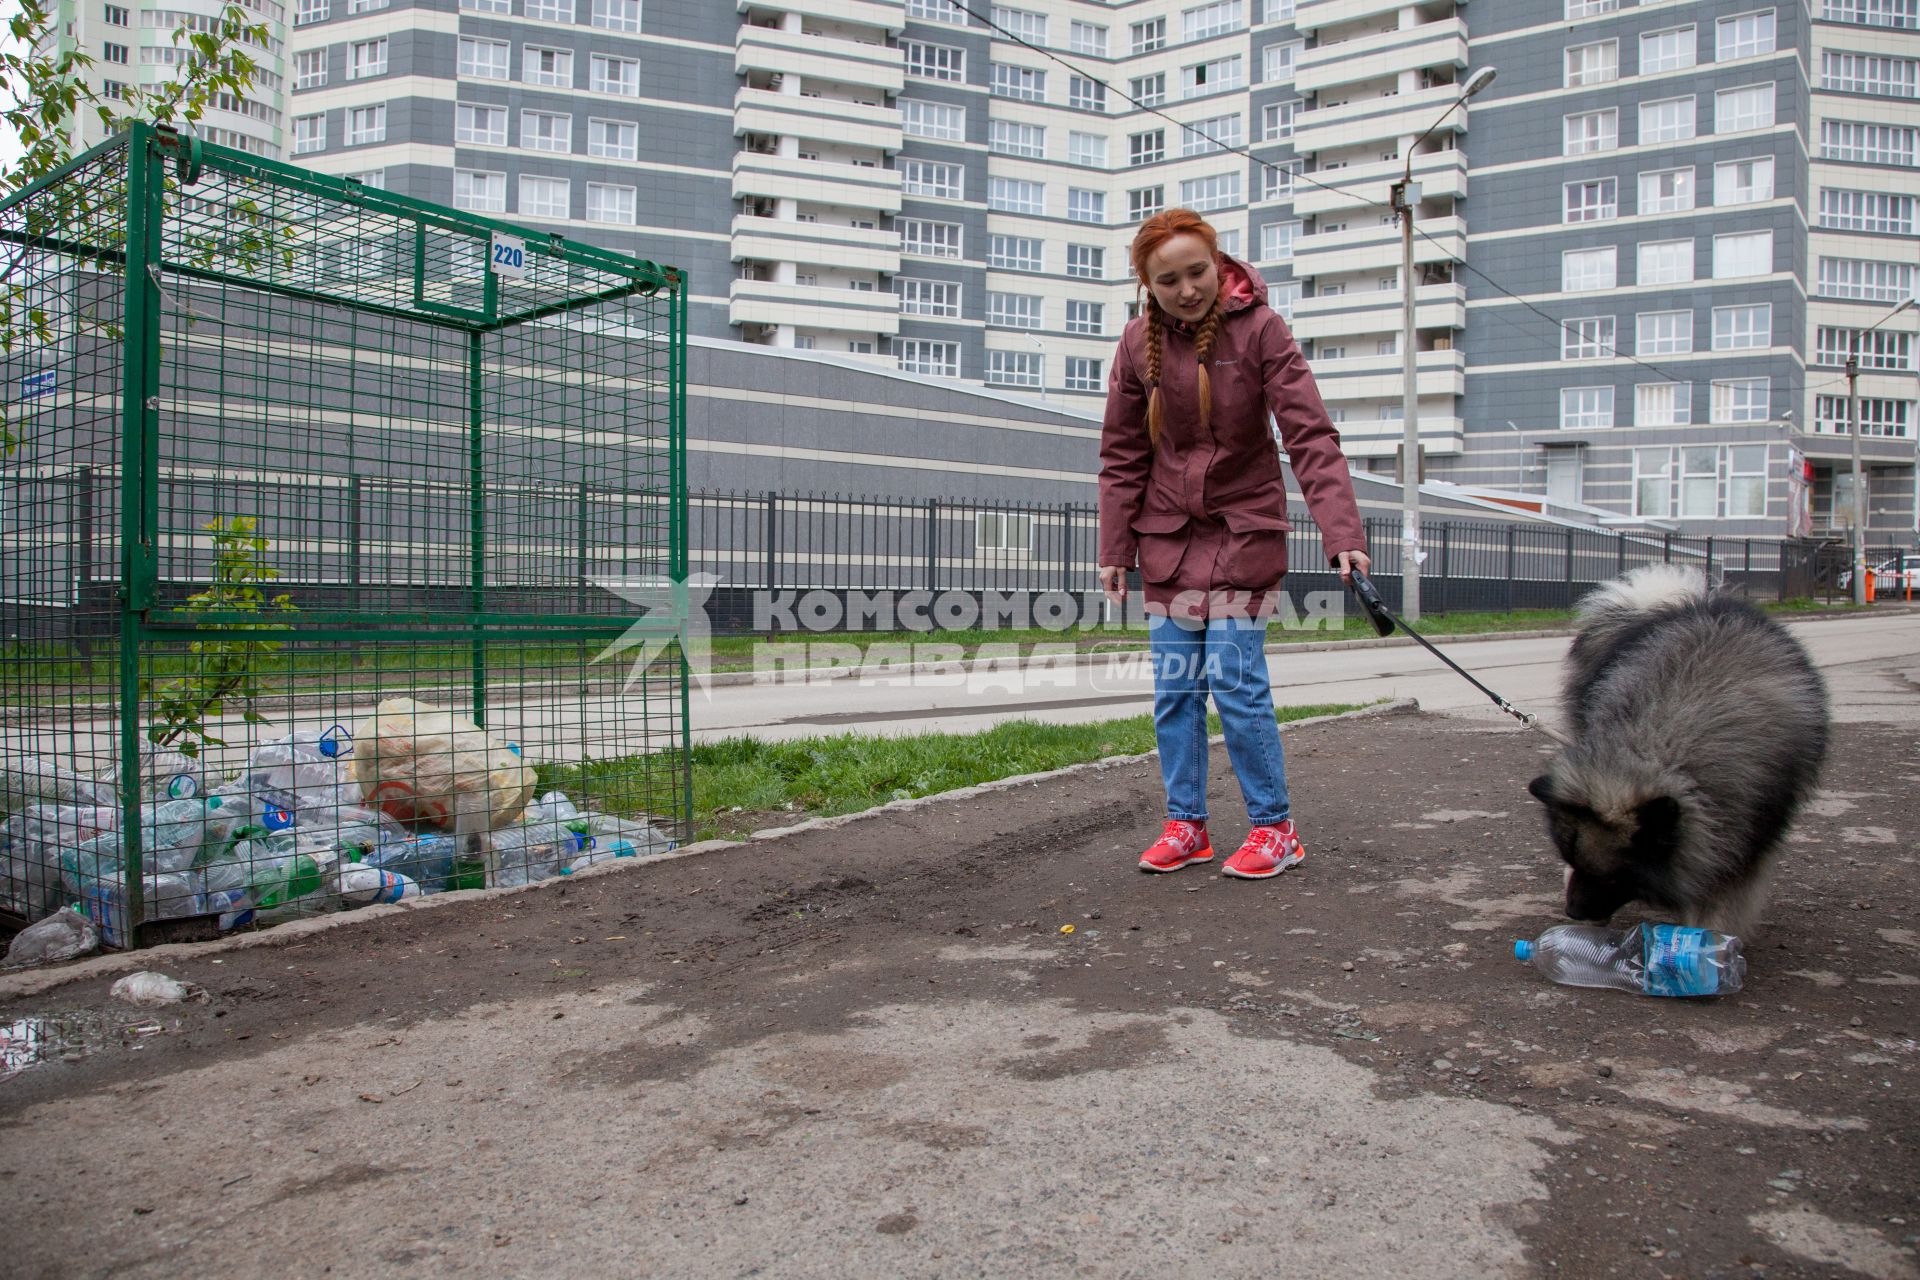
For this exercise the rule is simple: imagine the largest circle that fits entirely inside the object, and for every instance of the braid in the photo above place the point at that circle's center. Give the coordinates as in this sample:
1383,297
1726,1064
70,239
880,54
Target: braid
1153,373
1202,348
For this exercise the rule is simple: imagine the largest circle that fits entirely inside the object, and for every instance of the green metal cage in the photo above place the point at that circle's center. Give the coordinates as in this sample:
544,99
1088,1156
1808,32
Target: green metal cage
284,450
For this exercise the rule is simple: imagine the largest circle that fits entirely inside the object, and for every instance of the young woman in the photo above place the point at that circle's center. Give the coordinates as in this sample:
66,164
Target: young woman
1190,483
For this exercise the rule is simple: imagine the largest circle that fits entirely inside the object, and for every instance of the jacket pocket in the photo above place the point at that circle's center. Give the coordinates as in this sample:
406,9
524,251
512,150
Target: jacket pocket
1163,543
1256,551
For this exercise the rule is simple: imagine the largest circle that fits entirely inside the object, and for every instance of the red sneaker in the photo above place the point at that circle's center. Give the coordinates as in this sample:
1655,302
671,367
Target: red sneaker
1180,844
1267,852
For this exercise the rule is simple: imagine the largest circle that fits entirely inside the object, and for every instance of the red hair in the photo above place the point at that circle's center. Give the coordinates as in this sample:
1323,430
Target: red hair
1153,233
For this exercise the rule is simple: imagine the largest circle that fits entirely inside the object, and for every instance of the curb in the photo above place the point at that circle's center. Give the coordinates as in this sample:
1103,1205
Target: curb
14,986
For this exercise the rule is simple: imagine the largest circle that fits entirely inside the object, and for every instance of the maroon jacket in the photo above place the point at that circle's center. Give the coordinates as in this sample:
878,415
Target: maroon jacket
1207,513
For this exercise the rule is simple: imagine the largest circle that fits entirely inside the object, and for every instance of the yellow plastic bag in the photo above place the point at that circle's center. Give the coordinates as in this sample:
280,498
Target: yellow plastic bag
417,763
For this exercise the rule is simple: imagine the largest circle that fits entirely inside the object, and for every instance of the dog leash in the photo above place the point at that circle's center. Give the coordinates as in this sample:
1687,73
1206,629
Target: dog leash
1384,621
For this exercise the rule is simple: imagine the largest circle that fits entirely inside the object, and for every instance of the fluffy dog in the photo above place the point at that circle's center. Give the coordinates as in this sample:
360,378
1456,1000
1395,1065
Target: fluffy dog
1698,729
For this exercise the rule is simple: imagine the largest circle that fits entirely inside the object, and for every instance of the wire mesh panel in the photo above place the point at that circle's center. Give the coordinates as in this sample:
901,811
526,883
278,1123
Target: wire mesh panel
323,509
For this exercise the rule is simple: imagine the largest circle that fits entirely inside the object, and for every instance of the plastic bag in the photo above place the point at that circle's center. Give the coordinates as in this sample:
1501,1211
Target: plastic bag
416,763
148,988
61,936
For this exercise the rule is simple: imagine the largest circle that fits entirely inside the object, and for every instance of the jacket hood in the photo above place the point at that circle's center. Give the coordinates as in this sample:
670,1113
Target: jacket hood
1240,285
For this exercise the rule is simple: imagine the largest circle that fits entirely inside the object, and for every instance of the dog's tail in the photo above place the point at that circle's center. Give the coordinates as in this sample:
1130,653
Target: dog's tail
1644,590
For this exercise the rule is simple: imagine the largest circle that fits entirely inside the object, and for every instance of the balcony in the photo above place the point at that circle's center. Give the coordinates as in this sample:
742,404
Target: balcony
1436,306
1376,247
1442,373
1437,44
812,307
824,58
815,244
866,13
1441,174
816,182
1441,435
1312,15
1388,119
816,119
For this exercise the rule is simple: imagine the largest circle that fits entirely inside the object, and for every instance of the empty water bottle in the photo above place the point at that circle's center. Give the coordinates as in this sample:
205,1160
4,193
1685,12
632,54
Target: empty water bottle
1657,959
426,860
361,885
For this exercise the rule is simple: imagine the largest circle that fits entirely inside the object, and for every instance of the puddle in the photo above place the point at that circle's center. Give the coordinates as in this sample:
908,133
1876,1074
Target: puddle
67,1037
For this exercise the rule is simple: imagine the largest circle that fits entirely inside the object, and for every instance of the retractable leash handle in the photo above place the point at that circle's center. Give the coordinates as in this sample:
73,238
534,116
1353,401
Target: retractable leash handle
1369,597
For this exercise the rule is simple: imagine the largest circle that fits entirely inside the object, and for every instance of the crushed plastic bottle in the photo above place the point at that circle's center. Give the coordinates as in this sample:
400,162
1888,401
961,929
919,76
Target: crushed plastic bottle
1655,959
426,860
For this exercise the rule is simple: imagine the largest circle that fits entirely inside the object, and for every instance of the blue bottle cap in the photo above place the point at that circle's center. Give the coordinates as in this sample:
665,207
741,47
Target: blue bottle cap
1522,949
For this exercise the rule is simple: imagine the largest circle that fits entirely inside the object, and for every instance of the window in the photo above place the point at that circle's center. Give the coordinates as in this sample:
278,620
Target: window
1903,14
1282,297
1014,310
116,15
1144,202
479,192
616,15
1328,352
1020,24
1014,369
1015,253
1878,211
1652,482
1862,73
1589,131
1746,253
1867,143
471,6
1215,19
932,179
1663,333
1083,374
1743,328
1145,37
1204,137
546,131
1147,148
1747,480
1085,37
1740,400
1885,349
482,126
1668,120
1148,91
1592,201
1663,404
1221,191
1586,407
367,58
936,11
1666,50
934,61
1665,262
1666,191
309,134
1878,417
116,52
1748,108
1588,8
547,66
1594,63
486,59
115,89
1086,317
1279,11
1086,206
550,10
937,359
544,197
1086,260
365,6
1743,181
925,239
1086,95
1023,84
1700,481
1010,195
1216,76
309,68
1087,149
1276,180
1586,269
366,125
1865,280
1280,61
1590,338
310,11
1745,36
940,298
1277,120
614,75
933,120
1010,139
1277,240
613,139
1002,531
607,203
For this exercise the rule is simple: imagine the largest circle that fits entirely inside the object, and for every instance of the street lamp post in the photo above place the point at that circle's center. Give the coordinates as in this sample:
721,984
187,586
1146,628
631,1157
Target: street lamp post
1853,428
1405,195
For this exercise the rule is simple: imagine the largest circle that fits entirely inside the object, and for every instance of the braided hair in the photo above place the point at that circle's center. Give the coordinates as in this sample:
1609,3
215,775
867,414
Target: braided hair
1153,233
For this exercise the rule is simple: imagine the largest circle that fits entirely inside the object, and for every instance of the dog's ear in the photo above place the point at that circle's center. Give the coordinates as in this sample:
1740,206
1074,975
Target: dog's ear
1658,828
1541,789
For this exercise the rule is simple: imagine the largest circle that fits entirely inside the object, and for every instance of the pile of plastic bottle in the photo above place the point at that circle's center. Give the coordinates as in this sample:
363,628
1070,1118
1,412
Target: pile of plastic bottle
287,837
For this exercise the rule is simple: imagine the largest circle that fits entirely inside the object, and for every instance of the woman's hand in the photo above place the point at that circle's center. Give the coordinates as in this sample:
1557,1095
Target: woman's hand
1113,581
1348,561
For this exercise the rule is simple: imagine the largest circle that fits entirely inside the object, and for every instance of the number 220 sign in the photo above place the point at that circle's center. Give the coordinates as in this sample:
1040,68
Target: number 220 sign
509,256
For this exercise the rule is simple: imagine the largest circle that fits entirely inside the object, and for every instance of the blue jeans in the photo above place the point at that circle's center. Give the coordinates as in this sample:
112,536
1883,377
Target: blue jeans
1227,658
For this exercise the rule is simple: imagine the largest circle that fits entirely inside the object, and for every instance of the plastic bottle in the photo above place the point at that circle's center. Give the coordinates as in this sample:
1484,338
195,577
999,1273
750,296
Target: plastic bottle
303,776
361,885
171,833
531,851
1656,959
427,860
